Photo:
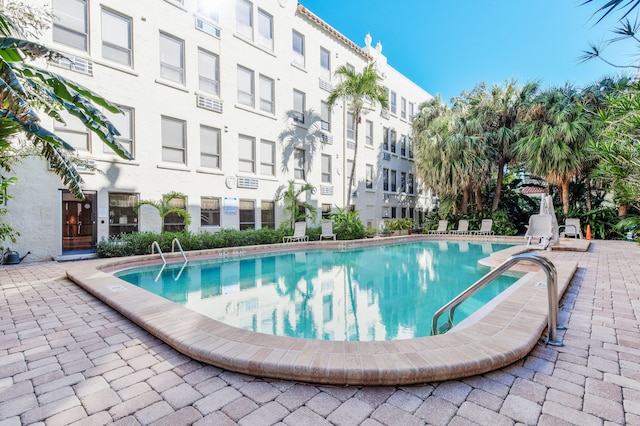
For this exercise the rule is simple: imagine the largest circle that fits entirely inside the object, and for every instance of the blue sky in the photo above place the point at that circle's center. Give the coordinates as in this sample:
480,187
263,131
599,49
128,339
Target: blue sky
447,46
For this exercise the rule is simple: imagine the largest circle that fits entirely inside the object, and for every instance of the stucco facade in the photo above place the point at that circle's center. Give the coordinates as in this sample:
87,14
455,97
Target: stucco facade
224,106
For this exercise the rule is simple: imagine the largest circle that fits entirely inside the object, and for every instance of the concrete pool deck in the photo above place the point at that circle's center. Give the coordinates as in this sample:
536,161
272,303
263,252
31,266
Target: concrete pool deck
65,357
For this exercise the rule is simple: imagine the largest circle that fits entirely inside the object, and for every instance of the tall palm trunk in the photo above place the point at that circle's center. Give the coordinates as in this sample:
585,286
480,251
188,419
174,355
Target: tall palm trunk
498,193
478,197
564,188
464,206
356,124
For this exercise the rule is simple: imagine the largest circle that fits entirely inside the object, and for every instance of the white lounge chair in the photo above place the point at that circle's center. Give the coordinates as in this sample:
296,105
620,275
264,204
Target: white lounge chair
327,230
299,233
463,228
540,230
442,228
485,228
571,228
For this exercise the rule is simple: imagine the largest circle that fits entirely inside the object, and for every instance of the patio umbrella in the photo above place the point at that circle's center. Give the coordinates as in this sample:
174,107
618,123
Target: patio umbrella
546,207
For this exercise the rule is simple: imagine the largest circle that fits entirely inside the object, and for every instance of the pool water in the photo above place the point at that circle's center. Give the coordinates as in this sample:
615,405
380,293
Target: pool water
378,293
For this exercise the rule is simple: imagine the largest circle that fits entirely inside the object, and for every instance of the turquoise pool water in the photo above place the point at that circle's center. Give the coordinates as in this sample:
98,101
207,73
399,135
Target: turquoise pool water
384,292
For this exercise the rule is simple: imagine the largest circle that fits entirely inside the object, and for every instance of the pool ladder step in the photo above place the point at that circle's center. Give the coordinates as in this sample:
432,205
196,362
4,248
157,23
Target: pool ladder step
156,245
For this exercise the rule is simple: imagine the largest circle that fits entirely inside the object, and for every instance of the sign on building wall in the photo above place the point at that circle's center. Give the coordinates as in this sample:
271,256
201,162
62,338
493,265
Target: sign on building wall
230,205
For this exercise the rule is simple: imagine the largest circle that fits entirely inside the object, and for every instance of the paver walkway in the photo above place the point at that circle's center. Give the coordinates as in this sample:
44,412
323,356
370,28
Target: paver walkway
66,358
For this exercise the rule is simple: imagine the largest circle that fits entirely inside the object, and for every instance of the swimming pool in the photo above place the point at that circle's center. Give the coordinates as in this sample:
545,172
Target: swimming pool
387,292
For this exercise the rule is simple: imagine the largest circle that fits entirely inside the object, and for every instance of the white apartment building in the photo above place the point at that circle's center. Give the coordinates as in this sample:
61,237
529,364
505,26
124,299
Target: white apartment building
224,101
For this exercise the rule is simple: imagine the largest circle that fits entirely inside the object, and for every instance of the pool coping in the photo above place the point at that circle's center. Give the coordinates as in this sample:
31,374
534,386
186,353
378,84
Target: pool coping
502,336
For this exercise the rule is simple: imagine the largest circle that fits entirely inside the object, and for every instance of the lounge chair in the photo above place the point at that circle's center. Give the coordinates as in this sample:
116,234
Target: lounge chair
571,228
442,228
299,233
463,228
540,230
327,230
485,228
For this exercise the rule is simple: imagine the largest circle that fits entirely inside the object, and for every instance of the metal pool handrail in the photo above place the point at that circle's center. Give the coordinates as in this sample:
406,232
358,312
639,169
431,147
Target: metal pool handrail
552,292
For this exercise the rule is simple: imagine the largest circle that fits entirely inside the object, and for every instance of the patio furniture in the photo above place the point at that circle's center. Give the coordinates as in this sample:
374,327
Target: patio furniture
299,233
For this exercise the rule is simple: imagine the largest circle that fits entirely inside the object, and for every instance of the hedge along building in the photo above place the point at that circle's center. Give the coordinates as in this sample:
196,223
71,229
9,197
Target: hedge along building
223,104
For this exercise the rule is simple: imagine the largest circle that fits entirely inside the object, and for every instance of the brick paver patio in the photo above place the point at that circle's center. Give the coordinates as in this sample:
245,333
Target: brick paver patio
66,358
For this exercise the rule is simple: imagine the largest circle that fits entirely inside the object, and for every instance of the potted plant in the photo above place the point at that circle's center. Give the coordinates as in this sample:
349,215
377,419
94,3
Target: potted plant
400,226
370,231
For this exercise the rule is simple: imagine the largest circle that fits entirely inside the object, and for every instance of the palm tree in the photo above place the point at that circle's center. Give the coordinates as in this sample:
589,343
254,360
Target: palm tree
165,207
25,89
557,136
358,90
291,198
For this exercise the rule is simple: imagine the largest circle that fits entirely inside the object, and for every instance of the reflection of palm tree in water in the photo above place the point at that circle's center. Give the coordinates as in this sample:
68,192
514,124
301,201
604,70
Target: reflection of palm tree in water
299,288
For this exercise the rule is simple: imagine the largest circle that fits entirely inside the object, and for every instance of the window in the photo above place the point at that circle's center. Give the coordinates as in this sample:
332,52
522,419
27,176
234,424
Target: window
209,211
298,164
268,214
392,137
410,184
123,216
409,147
392,178
173,140
403,108
403,181
171,58
247,214
267,94
394,213
244,18
267,158
385,138
245,86
392,102
325,116
350,126
173,222
247,154
209,147
70,23
73,131
298,48
369,176
385,179
116,37
411,110
368,127
209,72
326,168
325,64
298,106
326,211
124,123
403,146
265,29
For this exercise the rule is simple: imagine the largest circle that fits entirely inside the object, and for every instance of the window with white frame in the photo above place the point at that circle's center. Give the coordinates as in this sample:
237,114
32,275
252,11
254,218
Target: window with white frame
171,58
369,177
403,181
265,29
246,88
267,94
209,147
393,140
410,189
350,126
392,102
411,110
403,145
73,131
174,145
116,37
325,64
247,214
369,132
173,222
209,211
208,72
326,168
385,179
267,158
403,108
70,23
244,18
123,216
298,48
325,116
385,138
267,214
299,106
246,154
124,123
409,146
299,164
393,181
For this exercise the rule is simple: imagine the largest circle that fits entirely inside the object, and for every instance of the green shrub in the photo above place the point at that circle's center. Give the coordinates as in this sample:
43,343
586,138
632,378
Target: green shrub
399,224
347,225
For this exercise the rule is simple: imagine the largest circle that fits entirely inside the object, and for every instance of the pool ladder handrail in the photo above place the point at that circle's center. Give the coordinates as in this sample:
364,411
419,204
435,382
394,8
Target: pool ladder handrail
175,241
552,293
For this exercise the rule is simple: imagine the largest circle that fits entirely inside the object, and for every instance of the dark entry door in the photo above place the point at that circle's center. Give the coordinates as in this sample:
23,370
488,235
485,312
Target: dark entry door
78,222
